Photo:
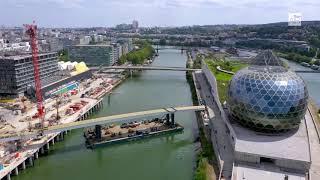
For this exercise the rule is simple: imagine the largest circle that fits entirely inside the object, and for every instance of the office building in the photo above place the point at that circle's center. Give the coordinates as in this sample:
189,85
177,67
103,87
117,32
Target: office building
92,55
17,73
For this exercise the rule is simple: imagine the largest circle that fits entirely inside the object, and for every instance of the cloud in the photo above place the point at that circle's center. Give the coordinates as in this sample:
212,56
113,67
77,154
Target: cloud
47,3
154,12
166,3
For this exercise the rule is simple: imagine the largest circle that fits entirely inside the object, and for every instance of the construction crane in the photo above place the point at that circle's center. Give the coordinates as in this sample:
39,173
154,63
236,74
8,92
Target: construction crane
31,30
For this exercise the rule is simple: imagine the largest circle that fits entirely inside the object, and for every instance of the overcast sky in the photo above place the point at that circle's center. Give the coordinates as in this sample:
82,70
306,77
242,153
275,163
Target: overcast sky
85,13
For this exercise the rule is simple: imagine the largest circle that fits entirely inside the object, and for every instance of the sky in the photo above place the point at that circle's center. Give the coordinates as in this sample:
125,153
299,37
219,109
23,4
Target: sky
108,13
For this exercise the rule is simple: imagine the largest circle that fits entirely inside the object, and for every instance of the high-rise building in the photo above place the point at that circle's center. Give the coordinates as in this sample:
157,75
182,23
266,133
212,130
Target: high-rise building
17,74
115,53
126,45
85,40
135,24
92,55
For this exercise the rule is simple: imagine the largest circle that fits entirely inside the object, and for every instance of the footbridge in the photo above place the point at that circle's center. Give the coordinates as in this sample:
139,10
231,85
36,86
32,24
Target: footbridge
148,68
307,71
97,121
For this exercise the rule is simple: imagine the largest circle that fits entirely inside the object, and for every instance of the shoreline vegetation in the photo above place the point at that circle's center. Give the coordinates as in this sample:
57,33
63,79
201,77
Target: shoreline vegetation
138,56
206,167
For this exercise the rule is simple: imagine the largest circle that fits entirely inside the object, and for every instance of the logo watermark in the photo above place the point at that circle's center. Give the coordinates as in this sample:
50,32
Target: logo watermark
294,19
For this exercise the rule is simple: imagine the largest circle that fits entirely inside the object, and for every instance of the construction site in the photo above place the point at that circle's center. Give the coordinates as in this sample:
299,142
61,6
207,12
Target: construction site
41,95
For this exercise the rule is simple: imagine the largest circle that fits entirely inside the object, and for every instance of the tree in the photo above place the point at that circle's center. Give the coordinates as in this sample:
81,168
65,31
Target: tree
122,59
64,55
139,56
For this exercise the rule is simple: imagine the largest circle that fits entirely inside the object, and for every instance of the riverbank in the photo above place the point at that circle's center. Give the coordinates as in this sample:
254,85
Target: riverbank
30,150
205,161
89,94
155,158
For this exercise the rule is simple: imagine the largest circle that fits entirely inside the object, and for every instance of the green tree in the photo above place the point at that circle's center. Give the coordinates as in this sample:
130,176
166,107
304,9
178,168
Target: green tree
63,55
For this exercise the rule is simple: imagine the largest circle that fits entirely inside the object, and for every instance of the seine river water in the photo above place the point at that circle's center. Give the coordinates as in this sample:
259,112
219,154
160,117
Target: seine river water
159,158
166,157
312,80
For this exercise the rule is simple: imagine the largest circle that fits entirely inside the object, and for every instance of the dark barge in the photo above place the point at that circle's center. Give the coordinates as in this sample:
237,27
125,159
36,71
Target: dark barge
112,134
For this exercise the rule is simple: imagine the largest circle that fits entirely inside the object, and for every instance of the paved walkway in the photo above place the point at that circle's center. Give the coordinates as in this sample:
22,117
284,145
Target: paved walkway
314,148
219,135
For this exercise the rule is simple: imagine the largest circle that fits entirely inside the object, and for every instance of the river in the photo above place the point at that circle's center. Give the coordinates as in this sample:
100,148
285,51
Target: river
158,158
312,80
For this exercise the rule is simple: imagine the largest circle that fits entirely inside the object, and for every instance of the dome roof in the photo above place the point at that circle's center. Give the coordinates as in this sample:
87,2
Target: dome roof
267,98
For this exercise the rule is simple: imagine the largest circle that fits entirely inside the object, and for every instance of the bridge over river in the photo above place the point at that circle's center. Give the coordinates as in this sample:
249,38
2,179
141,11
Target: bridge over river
144,68
96,121
306,71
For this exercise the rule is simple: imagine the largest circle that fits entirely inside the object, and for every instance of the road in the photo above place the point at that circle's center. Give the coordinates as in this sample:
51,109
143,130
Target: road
219,135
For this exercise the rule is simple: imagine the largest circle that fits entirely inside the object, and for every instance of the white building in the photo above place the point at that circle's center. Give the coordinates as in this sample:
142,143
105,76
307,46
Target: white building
85,40
22,46
135,24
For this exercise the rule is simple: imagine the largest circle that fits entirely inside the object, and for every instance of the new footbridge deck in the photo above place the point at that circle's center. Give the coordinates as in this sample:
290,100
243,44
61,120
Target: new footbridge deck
96,121
144,68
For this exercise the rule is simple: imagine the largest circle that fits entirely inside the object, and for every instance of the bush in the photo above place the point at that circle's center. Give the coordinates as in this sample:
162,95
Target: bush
200,173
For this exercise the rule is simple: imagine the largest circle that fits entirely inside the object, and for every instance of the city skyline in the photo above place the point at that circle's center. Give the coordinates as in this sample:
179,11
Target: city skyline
98,13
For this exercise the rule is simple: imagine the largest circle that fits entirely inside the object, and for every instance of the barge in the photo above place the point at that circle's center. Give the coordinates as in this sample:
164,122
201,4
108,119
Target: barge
126,132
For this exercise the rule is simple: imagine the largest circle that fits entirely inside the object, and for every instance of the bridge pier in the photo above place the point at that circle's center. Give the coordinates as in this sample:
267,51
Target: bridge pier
30,161
42,150
98,131
172,119
23,165
61,136
8,176
16,171
48,146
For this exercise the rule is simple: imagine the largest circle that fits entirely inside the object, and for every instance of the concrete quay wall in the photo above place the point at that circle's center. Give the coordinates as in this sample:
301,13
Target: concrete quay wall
41,147
214,91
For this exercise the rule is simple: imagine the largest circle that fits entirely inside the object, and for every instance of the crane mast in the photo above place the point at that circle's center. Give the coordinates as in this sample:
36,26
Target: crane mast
32,32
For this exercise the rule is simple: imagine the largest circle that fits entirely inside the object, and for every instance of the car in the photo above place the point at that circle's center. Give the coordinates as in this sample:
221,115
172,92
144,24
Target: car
124,125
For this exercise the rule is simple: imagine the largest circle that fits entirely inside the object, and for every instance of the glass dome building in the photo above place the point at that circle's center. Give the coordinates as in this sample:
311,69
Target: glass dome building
267,97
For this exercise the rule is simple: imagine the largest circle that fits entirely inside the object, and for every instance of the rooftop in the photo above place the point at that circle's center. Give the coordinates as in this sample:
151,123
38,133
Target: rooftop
93,45
265,172
267,58
292,145
17,55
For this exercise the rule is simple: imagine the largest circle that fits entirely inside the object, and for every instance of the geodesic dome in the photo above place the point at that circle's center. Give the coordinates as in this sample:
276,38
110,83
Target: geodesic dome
267,98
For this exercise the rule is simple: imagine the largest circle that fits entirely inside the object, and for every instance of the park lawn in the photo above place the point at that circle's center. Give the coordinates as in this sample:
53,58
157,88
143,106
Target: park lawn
223,78
236,66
